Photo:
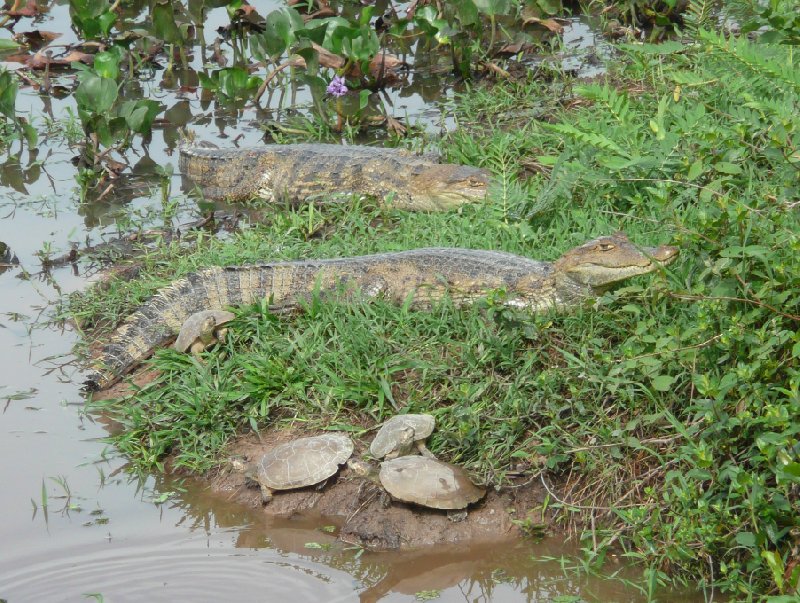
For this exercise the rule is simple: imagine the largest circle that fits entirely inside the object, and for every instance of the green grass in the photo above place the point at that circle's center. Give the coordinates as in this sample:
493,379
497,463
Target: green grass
669,407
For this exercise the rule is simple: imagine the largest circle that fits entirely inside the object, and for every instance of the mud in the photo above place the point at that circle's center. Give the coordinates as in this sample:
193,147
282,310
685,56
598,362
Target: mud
365,515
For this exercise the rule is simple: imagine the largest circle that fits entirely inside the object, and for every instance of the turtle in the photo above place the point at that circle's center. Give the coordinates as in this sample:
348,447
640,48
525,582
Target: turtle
300,462
424,481
202,330
429,483
401,434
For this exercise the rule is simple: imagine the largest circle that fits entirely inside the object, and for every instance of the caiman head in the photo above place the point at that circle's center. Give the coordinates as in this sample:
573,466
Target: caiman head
607,260
444,186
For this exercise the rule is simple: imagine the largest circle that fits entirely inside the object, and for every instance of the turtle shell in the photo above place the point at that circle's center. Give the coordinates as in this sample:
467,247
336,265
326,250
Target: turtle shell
303,462
192,327
394,433
428,482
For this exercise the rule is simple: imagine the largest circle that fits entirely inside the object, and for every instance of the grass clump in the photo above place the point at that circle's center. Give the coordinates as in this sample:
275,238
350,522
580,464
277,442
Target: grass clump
667,413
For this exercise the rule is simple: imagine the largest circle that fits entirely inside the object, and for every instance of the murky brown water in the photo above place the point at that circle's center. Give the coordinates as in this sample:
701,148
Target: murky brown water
74,523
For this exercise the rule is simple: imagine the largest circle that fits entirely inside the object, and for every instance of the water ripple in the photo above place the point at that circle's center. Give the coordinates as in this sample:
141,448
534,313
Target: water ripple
186,570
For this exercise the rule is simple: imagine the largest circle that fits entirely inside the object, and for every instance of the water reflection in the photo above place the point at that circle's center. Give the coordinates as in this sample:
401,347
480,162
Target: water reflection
509,570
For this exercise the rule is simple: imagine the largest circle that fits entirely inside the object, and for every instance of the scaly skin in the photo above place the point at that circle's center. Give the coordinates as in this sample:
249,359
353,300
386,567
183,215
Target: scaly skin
302,172
424,274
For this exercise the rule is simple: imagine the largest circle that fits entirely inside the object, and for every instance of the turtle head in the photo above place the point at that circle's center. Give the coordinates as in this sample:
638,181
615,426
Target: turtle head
241,465
608,260
362,468
443,186
209,324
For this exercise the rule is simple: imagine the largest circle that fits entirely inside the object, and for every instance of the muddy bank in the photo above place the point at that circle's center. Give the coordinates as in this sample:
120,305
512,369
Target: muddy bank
365,516
357,505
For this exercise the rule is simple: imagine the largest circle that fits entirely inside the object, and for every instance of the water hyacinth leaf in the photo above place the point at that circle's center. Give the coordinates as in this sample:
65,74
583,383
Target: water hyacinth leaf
30,133
111,130
164,25
92,17
337,29
361,47
310,55
492,8
549,7
96,94
428,15
233,82
106,64
279,30
363,99
466,12
139,114
231,8
8,94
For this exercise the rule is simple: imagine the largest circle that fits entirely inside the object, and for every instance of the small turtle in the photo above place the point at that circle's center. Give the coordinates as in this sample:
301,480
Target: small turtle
400,434
301,462
429,483
202,330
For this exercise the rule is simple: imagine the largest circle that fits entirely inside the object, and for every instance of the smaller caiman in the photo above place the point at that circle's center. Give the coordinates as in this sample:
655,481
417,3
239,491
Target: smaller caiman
419,275
296,173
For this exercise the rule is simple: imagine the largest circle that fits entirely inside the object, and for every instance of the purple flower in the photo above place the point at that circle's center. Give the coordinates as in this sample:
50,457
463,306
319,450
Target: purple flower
337,87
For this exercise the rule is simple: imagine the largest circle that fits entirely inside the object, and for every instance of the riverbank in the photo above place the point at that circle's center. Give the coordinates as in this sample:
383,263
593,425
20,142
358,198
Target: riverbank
668,406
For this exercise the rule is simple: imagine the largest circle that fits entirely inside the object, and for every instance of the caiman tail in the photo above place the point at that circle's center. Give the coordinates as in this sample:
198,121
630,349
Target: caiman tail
224,173
160,319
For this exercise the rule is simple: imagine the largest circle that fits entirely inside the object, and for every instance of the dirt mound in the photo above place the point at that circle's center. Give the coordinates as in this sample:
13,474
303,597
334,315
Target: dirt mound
366,515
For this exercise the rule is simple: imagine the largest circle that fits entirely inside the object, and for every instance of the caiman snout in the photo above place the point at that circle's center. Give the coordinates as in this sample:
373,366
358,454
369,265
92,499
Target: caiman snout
607,260
663,254
445,186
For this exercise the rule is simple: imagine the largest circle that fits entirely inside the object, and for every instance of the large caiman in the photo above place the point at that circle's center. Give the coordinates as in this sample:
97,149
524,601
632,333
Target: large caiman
421,275
296,173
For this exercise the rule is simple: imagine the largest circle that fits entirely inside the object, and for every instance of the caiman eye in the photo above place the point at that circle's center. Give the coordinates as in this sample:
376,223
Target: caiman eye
606,246
475,182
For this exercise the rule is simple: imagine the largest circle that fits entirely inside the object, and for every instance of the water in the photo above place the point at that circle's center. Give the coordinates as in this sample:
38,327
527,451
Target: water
75,523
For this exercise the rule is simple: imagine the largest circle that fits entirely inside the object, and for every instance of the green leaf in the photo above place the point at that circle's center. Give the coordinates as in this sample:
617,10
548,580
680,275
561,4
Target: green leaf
30,133
96,94
790,472
139,115
695,170
106,64
279,30
724,167
747,539
8,95
663,48
775,563
466,12
164,25
6,44
663,383
493,7
105,21
363,99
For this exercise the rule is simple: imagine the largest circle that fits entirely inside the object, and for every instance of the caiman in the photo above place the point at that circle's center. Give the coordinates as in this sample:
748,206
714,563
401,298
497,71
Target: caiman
421,275
296,173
